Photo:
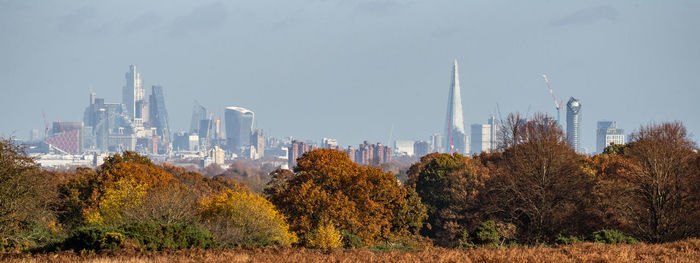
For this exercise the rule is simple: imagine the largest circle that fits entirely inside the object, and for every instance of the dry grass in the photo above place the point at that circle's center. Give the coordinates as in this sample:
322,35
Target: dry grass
681,251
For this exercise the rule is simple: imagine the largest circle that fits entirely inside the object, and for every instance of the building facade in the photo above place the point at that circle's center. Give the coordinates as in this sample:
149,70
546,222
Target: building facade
455,137
481,138
606,133
239,127
573,124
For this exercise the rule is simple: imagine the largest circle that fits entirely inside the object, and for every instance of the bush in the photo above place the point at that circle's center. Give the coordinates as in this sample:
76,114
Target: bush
326,236
350,240
157,236
567,240
94,238
612,237
487,234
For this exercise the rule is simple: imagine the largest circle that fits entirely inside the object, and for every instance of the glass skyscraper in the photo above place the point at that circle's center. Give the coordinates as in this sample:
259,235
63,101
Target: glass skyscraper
239,127
573,124
455,136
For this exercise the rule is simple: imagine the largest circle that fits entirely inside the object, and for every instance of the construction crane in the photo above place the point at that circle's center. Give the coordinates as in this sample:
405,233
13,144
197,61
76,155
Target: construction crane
557,106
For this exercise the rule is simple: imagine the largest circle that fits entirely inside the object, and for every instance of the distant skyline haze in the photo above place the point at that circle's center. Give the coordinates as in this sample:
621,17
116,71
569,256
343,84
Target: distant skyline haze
312,69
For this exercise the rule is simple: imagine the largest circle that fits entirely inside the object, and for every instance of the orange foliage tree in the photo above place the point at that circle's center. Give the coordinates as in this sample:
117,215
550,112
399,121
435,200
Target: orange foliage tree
328,188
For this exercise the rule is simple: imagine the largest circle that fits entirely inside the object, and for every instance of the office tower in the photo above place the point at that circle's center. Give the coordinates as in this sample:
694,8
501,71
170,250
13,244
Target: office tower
60,128
607,133
493,133
133,95
404,148
239,126
573,124
481,138
421,148
436,143
257,140
158,113
34,135
199,113
455,136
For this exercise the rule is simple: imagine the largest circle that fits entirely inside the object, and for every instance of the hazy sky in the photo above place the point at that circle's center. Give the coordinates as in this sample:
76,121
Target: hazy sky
353,69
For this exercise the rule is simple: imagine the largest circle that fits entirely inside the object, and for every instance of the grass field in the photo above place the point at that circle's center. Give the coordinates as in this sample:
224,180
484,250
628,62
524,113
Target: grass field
680,251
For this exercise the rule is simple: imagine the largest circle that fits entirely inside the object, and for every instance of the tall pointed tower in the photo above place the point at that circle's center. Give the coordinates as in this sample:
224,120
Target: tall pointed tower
455,136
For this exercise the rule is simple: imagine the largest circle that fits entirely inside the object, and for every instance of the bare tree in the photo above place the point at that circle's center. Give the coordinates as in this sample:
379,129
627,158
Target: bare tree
666,206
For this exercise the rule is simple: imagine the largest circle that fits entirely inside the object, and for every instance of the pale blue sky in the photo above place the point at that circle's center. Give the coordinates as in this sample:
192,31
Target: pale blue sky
352,69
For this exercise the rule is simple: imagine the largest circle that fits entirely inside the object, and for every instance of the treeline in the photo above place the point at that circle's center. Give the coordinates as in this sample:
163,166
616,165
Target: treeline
534,190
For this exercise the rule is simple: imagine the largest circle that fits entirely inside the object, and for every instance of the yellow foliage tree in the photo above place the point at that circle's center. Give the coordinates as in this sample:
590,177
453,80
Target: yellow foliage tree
124,194
326,236
238,217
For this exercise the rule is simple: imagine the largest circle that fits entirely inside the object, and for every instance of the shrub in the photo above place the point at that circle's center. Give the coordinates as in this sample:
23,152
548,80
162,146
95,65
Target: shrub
350,240
612,237
158,236
487,234
242,218
326,236
567,240
94,238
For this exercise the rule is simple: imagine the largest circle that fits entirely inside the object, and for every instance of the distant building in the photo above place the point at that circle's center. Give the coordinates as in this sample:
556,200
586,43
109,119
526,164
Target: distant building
329,143
199,113
421,148
183,141
481,138
61,128
133,96
455,137
493,133
573,124
403,148
371,154
159,119
257,140
607,133
436,143
296,150
239,127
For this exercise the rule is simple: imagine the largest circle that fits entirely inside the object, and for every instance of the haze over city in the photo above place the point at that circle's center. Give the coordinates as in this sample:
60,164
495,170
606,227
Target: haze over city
354,70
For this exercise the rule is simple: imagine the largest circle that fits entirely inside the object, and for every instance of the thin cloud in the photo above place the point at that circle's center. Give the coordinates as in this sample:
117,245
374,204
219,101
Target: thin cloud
587,16
203,18
144,21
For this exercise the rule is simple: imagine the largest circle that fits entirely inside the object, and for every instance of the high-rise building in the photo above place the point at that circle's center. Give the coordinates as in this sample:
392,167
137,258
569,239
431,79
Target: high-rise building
296,150
573,123
133,96
493,133
199,113
481,138
455,136
436,143
257,140
239,127
421,148
607,133
403,148
159,117
329,143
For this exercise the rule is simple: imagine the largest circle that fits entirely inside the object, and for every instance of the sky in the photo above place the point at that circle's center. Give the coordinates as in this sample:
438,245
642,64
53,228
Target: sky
354,70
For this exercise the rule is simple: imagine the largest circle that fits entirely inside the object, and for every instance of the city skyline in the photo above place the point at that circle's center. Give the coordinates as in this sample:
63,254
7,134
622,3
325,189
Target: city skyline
293,71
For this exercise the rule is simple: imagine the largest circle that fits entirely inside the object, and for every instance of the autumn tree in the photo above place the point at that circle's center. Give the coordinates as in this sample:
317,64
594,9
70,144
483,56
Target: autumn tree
25,193
664,182
539,185
449,186
328,188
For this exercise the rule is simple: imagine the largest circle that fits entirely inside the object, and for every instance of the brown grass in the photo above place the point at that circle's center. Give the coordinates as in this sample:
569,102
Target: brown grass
680,251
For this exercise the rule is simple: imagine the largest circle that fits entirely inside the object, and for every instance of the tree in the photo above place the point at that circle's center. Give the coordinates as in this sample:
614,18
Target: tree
449,186
25,193
238,217
328,188
540,185
663,180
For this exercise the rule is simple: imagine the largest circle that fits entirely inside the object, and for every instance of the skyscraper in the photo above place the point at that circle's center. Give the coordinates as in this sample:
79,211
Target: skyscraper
159,115
573,124
455,136
239,127
481,138
133,95
607,133
199,113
